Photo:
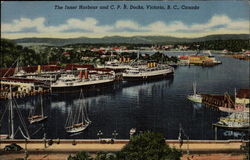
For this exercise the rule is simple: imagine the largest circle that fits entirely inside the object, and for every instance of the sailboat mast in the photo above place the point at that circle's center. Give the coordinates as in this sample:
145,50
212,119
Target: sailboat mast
16,68
194,85
235,94
83,116
11,115
41,98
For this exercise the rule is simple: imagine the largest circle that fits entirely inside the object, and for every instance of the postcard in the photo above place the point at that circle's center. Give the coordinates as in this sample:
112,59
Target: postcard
124,80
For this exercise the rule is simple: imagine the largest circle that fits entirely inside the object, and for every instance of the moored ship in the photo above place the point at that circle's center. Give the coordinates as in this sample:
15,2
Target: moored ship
151,71
71,82
115,64
235,121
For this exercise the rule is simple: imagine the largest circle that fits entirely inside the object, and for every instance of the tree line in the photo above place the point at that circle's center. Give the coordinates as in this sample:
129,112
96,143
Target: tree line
10,52
230,45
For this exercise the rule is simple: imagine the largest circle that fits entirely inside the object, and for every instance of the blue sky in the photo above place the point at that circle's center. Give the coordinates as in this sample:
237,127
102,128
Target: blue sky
41,19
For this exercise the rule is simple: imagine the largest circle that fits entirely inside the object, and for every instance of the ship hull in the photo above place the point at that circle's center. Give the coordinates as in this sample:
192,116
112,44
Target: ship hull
147,77
230,110
230,127
63,89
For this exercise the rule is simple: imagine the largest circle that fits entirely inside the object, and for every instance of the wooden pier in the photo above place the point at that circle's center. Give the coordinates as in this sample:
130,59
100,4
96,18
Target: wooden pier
21,87
217,101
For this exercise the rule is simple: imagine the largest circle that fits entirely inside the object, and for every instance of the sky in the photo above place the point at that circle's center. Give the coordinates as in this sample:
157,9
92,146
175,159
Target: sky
21,19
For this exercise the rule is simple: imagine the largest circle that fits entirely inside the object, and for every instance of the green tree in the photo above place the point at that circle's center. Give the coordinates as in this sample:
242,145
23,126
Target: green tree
105,156
148,146
245,148
100,156
82,155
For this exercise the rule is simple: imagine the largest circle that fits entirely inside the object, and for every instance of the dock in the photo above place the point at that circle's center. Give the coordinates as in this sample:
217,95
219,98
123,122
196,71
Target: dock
22,87
216,101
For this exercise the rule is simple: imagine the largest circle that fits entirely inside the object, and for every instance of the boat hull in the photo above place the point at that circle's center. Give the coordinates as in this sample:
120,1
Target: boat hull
148,77
230,127
77,129
195,99
231,110
38,120
63,89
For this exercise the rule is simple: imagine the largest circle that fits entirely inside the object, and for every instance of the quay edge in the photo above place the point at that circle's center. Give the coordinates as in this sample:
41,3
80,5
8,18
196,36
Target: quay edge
95,145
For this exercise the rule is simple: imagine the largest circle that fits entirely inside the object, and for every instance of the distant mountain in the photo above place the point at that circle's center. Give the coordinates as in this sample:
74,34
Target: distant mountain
130,40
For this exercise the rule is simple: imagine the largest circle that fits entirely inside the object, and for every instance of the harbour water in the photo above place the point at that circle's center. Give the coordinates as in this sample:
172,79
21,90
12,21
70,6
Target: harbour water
159,106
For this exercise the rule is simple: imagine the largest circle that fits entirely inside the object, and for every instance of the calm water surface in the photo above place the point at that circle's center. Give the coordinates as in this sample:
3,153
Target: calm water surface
159,106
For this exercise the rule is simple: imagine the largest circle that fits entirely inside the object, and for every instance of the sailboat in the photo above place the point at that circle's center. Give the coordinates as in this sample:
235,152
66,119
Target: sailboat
19,72
35,118
10,109
195,97
78,121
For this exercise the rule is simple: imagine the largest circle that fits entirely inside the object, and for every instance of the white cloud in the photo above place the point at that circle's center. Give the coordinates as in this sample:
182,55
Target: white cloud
239,25
215,21
92,25
127,24
23,23
219,20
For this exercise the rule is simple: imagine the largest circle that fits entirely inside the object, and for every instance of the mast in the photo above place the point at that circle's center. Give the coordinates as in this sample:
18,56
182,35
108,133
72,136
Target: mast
86,112
235,94
83,116
81,107
17,67
68,120
11,115
194,88
41,105
162,55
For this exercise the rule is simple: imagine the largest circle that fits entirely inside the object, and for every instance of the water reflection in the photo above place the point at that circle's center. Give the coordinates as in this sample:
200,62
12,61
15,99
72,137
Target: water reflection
197,106
234,134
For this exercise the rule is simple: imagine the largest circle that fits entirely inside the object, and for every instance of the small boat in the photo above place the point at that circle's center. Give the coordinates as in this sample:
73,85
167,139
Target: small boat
36,118
76,127
195,97
4,136
78,121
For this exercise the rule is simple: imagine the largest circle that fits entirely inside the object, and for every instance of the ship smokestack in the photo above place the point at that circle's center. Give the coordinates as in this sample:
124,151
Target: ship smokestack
86,74
39,69
80,75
